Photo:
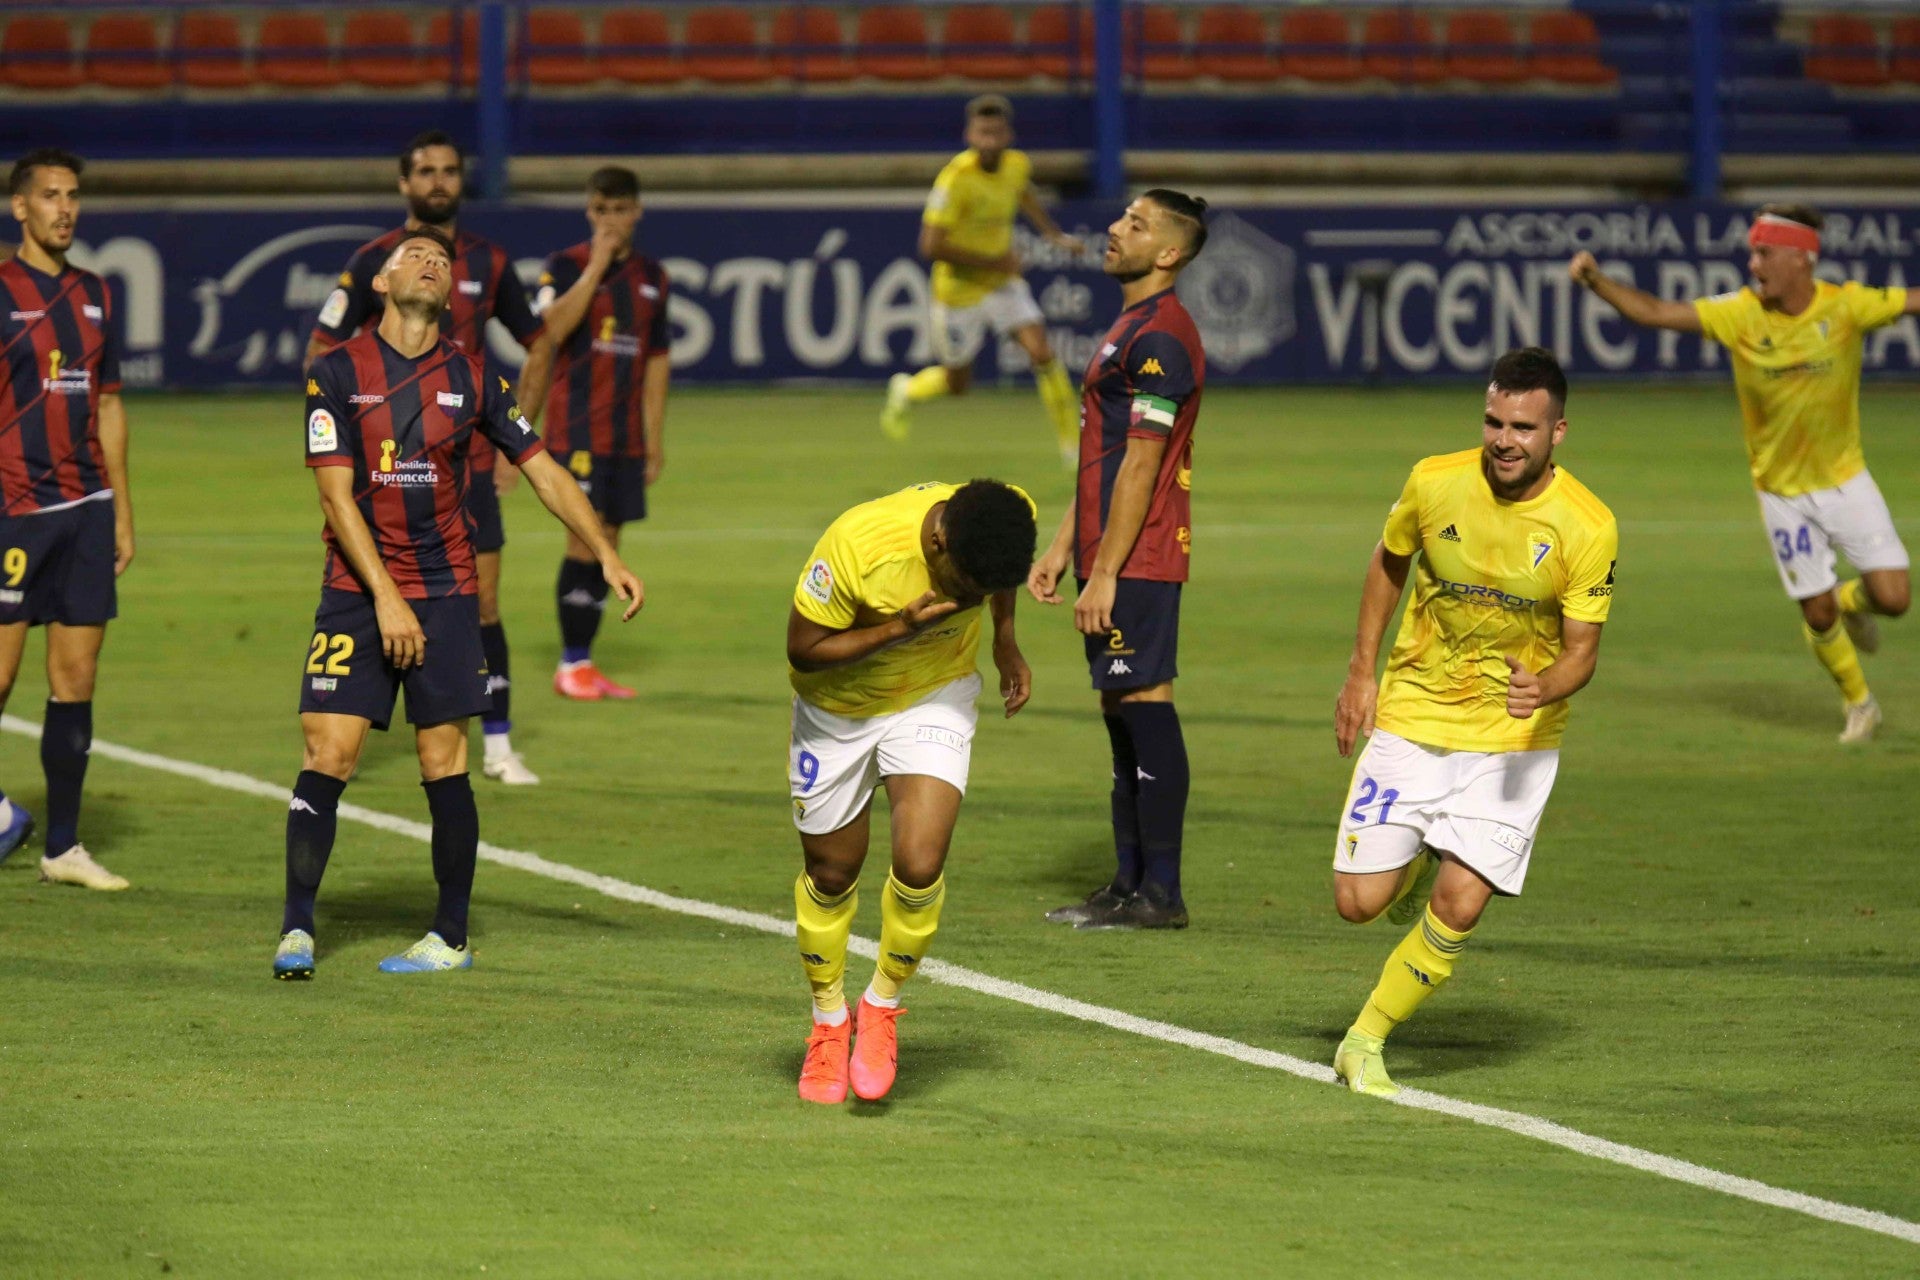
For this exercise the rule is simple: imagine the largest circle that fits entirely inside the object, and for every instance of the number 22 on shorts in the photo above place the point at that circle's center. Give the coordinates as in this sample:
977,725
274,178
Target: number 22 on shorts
321,662
1367,794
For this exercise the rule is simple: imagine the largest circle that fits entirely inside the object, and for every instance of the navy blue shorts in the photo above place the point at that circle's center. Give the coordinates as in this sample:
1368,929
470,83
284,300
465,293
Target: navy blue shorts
484,525
616,486
347,674
57,566
1144,646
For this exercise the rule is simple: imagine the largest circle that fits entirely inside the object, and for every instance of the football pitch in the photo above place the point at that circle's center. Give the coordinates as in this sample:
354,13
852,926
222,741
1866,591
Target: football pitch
1715,959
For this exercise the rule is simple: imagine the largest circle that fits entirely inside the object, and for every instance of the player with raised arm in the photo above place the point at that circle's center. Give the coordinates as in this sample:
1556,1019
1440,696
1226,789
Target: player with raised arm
1127,539
391,416
883,640
967,234
604,392
1514,579
67,529
1796,344
484,288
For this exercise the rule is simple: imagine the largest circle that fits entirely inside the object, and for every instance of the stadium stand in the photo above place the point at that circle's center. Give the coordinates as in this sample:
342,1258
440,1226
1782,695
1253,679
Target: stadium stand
636,48
123,52
723,48
1844,50
891,44
978,41
39,54
557,50
295,52
811,46
210,53
382,51
1317,45
1230,44
1060,40
1481,48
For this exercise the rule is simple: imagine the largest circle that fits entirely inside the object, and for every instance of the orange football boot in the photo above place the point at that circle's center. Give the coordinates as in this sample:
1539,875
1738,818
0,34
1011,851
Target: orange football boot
581,683
823,1076
876,1051
608,689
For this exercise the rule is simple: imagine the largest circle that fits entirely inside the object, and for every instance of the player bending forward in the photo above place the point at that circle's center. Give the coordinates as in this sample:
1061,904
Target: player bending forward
391,417
883,638
1514,580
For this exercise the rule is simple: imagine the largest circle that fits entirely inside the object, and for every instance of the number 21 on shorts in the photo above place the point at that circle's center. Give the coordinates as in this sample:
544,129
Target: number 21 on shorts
1368,794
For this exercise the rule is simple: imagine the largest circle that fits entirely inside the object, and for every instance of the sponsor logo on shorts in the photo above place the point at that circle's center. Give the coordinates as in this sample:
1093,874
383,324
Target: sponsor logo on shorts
322,435
12,597
1509,839
819,582
1474,593
325,684
945,737
1119,668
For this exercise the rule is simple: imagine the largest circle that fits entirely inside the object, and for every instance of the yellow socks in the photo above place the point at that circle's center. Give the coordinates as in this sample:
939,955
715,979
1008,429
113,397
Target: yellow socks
822,923
1062,405
1853,597
1835,650
908,920
1423,960
928,384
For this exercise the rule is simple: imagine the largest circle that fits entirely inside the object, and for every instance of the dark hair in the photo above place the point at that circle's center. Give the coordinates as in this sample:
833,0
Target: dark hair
615,182
990,534
989,106
1804,214
423,233
1531,369
431,138
42,158
1189,211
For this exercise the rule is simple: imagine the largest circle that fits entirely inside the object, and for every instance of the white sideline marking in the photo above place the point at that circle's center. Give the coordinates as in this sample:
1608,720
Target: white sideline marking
954,975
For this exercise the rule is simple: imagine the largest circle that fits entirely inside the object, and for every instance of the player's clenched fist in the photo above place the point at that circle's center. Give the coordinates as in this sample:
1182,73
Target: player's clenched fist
1523,689
1584,268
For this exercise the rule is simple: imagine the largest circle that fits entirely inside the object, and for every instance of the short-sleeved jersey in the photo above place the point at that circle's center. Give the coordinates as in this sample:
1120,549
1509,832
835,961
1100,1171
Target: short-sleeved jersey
1798,379
976,209
866,568
600,369
1145,380
61,355
484,288
1494,578
405,426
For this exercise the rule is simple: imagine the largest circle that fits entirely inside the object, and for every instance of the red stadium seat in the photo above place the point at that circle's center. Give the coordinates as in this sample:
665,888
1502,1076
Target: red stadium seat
1231,44
209,51
37,53
1157,50
1844,51
809,45
1398,46
380,49
1054,48
1905,64
123,52
1315,45
635,47
1480,48
891,42
295,52
978,42
723,48
1566,50
556,49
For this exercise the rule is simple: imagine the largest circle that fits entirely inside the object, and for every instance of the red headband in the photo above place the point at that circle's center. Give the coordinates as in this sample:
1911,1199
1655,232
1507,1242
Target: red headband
1770,228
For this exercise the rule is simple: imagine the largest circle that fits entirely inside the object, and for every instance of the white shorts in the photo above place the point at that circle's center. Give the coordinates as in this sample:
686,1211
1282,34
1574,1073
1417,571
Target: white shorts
835,762
959,331
1483,807
1808,528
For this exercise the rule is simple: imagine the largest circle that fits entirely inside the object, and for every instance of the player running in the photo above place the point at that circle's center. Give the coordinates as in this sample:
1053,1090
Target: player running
967,234
882,640
391,416
485,287
1128,538
605,309
1515,578
67,529
1796,345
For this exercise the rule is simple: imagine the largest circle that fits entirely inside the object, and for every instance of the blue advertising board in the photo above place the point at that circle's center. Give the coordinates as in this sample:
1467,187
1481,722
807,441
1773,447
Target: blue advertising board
1336,294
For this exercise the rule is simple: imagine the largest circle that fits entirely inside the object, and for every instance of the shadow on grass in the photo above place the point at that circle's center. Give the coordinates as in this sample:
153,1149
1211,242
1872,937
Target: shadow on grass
1796,706
925,1067
1457,1040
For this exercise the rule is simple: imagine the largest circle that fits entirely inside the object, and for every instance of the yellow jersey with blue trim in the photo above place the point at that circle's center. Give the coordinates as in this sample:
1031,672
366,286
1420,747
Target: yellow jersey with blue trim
1798,379
1494,579
976,208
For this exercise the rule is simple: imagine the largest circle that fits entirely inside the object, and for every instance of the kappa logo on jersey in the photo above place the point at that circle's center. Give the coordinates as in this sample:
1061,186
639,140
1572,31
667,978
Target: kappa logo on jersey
1448,534
1152,365
819,582
366,399
322,435
313,387
1539,546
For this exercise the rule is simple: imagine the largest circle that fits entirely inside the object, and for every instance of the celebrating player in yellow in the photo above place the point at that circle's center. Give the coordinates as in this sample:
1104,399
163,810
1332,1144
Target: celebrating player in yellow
883,638
1514,580
967,233
1796,344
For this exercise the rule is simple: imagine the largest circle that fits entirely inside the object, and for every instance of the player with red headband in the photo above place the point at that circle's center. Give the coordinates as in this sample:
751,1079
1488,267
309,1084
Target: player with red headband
1796,344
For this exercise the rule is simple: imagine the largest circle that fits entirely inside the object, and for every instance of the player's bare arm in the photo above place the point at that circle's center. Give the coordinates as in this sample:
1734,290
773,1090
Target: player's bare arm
1016,677
401,638
653,412
1379,597
1043,581
1043,222
561,494
1126,516
564,314
812,647
1636,305
1528,691
113,447
934,248
537,373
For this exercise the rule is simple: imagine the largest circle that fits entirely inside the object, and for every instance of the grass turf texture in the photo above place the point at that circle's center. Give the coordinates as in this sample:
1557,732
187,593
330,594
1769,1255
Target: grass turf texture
1714,958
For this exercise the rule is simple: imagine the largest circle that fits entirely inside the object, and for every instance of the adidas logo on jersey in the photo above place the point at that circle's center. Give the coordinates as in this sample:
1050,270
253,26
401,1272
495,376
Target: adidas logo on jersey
1449,534
1119,668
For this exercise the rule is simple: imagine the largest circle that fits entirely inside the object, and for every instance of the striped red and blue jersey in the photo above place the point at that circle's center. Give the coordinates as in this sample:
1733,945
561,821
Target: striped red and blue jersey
61,356
484,288
406,427
600,370
1144,381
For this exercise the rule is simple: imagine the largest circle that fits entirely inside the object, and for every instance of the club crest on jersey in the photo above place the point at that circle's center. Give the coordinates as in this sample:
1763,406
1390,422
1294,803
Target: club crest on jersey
1538,547
819,582
472,288
454,399
322,435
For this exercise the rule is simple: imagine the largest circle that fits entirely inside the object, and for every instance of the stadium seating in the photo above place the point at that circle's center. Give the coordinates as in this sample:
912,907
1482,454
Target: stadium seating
1162,49
1904,65
445,46
210,54
978,42
37,53
557,51
1566,50
1480,48
123,52
1315,44
635,47
381,50
1844,50
1053,43
1398,46
809,45
891,44
294,51
723,48
1230,44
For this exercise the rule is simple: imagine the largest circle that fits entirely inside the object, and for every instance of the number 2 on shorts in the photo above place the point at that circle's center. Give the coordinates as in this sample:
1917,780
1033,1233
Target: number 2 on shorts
809,771
1369,792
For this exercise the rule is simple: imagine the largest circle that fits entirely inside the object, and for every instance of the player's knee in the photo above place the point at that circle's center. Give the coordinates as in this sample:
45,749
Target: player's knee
1821,612
1893,599
1355,904
334,759
831,880
70,680
1456,906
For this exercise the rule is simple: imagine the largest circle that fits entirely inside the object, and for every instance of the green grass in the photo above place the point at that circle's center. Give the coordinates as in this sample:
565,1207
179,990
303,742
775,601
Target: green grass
1715,958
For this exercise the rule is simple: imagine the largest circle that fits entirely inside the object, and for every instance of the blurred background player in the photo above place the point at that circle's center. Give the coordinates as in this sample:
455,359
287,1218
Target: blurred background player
967,233
1128,539
1796,345
484,288
67,531
1515,580
601,374
882,639
391,414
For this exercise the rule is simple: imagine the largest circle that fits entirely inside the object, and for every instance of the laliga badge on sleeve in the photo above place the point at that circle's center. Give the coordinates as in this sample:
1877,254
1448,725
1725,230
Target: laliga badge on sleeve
819,582
322,436
335,309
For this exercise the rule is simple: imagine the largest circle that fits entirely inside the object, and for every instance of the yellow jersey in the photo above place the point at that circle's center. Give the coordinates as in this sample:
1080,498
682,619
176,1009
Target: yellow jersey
1494,578
1798,379
976,209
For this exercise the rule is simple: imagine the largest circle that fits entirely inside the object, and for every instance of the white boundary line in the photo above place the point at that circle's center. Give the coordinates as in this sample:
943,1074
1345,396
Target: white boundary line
954,975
